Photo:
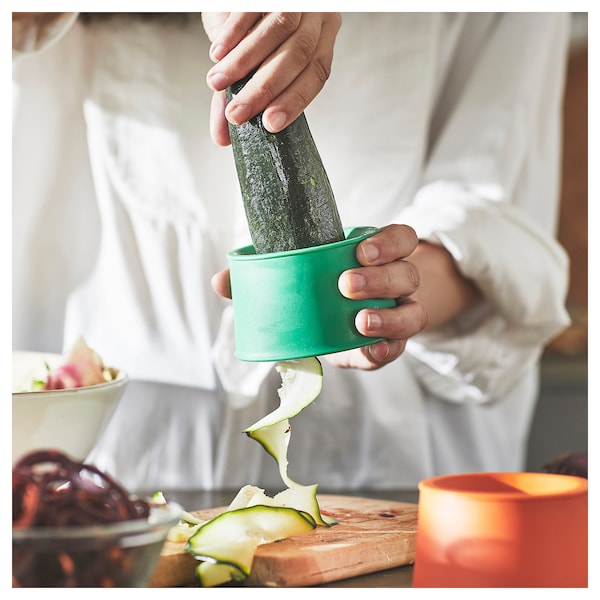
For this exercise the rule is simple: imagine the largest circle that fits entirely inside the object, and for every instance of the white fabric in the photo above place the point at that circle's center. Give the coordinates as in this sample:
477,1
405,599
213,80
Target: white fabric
41,33
124,208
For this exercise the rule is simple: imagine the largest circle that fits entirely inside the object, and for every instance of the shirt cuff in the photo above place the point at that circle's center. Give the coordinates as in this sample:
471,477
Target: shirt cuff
522,272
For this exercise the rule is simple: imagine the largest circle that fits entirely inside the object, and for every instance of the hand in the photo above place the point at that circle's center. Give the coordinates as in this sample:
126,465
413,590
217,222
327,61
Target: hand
430,291
385,273
292,52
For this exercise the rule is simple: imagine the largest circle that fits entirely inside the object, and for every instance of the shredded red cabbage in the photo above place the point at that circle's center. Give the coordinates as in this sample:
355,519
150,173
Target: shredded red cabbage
52,490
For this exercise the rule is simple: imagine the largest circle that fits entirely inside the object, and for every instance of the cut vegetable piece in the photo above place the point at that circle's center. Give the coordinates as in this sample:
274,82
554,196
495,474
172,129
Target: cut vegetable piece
214,574
226,544
188,523
300,497
302,381
159,499
182,532
266,523
231,538
275,440
80,367
238,553
243,497
304,498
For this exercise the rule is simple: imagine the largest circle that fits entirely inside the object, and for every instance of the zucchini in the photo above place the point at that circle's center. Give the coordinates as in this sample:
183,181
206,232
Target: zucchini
287,196
302,380
275,440
211,574
227,543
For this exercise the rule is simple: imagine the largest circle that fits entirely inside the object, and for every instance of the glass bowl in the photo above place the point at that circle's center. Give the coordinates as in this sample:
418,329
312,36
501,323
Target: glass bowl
121,554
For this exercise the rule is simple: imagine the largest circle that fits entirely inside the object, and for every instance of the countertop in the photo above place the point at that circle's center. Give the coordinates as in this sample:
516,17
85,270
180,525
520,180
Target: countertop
400,577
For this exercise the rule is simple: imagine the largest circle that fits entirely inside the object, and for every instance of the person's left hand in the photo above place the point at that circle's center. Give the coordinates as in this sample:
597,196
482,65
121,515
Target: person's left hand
292,54
385,273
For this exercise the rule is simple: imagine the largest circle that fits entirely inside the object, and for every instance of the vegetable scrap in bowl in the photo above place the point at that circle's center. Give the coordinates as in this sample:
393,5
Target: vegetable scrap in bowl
75,526
80,366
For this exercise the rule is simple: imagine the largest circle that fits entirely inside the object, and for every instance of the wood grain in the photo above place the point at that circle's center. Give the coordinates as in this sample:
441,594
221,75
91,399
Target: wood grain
372,535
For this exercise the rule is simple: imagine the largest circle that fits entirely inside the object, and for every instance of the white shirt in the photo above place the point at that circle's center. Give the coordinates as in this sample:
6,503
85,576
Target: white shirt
124,208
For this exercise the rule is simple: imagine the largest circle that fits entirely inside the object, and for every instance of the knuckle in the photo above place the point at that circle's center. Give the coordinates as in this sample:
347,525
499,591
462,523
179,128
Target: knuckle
410,233
414,276
304,48
266,91
300,100
336,20
389,283
322,69
406,236
403,322
381,282
284,24
410,236
411,318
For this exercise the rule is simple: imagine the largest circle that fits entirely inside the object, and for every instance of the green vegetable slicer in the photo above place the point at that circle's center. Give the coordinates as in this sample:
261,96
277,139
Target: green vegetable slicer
287,305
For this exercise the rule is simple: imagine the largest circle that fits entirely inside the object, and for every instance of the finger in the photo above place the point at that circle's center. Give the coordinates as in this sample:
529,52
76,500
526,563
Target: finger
231,33
383,352
288,106
393,280
268,34
287,81
219,127
368,358
221,283
213,23
398,323
390,243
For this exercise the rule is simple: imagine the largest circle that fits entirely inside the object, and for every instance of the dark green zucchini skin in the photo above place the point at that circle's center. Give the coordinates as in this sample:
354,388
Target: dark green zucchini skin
287,196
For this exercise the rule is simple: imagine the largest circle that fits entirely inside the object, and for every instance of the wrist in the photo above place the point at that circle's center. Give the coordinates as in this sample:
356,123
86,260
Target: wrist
443,290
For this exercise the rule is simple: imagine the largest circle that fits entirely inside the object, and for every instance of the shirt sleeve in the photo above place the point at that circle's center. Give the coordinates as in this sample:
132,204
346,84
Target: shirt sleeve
490,196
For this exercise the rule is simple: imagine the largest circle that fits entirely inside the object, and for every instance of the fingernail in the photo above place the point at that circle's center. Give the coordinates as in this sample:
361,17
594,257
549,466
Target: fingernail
379,351
238,114
217,81
370,251
274,122
217,52
374,322
355,282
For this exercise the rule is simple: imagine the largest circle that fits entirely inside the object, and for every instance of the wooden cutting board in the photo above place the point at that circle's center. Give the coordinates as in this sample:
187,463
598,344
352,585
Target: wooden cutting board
372,535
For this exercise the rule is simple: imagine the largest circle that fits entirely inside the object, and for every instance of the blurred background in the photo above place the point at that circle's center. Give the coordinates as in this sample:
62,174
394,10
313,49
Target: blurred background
561,420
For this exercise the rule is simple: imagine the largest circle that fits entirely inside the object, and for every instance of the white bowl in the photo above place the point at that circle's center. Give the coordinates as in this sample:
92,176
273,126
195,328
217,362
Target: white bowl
69,420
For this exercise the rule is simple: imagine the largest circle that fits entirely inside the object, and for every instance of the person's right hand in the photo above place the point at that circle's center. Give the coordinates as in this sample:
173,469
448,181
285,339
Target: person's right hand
292,54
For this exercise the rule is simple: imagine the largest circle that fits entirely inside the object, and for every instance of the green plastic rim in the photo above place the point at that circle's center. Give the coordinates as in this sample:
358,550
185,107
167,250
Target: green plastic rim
287,305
